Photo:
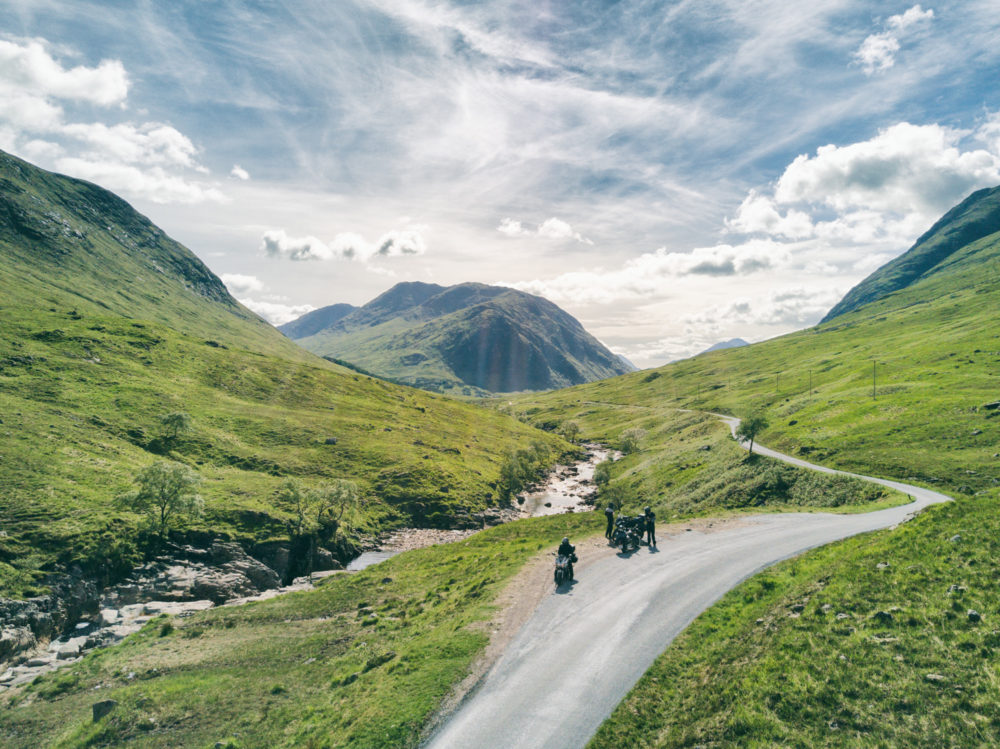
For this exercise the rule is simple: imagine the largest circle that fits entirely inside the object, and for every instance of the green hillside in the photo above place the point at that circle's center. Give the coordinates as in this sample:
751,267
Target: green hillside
975,217
106,325
469,339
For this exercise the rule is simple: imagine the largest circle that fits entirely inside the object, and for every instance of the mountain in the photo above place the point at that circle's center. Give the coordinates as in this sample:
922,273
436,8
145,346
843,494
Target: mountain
731,343
107,325
315,321
975,217
470,337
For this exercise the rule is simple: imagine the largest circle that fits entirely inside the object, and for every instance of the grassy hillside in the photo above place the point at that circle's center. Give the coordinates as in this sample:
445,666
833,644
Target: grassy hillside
470,339
936,350
362,662
887,639
975,217
106,325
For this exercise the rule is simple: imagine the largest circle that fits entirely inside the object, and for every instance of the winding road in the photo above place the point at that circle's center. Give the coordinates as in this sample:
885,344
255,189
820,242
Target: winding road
583,648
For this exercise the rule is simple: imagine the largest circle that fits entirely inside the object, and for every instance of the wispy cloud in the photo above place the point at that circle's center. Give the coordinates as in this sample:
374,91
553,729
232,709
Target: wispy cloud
878,51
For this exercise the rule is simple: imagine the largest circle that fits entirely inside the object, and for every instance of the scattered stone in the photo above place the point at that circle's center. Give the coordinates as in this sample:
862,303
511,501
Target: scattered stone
882,616
975,616
705,447
102,708
842,616
976,432
825,607
935,677
881,565
330,441
956,538
992,406
760,621
798,608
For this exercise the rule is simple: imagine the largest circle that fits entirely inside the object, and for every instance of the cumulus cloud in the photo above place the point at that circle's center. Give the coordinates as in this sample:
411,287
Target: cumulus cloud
346,245
239,172
552,228
239,283
878,51
791,306
277,313
29,67
147,159
649,274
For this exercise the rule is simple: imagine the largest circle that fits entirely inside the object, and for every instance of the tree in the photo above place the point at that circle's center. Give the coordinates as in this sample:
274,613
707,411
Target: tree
166,490
602,473
319,511
629,439
570,430
175,423
755,423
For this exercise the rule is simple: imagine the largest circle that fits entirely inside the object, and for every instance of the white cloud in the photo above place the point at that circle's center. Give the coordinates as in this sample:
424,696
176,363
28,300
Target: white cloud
796,306
552,228
239,283
346,245
758,213
152,183
239,172
650,274
29,67
146,159
903,169
277,243
277,313
878,51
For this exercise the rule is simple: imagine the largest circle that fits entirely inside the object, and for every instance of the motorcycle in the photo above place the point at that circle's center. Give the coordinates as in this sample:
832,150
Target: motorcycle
564,569
628,533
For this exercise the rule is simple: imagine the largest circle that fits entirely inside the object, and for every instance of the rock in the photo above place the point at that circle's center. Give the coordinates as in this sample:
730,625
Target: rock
883,617
38,662
954,589
102,708
14,640
67,651
330,441
705,447
935,677
825,607
108,617
992,406
956,538
881,565
976,432
974,616
842,616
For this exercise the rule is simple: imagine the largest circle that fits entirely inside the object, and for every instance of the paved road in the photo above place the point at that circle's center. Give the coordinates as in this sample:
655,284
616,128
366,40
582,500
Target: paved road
584,648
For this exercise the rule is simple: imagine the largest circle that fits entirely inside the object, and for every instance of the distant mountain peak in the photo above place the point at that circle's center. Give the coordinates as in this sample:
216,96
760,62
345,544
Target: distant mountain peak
471,336
731,343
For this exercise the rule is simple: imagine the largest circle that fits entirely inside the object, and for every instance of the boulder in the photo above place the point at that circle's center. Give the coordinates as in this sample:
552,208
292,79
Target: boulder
974,616
102,708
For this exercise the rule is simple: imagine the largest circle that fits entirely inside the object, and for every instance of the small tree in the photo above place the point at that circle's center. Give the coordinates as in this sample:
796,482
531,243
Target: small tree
629,439
602,473
174,424
570,430
166,490
318,510
755,423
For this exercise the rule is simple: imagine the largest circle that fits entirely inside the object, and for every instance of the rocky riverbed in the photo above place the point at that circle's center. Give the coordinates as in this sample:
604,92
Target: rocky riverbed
33,636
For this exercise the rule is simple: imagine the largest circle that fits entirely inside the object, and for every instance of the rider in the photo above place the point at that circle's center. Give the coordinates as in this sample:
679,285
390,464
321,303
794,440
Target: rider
566,549
609,513
650,527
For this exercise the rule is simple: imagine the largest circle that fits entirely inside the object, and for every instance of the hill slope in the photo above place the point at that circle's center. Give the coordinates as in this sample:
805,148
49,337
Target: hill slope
106,325
470,337
975,217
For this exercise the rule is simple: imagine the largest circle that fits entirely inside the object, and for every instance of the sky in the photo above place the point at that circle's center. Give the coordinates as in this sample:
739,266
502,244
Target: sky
672,173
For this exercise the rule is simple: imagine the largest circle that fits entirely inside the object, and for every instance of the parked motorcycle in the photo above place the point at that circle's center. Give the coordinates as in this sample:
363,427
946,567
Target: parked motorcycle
628,532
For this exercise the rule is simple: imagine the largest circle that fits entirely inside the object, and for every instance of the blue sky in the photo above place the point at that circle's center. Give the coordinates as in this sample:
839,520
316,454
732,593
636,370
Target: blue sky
672,173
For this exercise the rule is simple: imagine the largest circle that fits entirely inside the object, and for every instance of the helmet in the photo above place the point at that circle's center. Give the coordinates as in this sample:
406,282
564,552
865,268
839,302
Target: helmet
646,510
566,540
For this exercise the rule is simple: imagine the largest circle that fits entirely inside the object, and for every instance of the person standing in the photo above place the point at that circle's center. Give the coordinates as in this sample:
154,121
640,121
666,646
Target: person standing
609,513
650,527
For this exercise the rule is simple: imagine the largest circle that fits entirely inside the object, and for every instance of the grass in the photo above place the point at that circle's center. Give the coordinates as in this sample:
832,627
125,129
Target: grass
361,662
866,642
106,325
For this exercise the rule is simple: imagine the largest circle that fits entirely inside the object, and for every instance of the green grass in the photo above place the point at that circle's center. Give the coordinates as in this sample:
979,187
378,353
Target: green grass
361,662
834,648
937,351
106,325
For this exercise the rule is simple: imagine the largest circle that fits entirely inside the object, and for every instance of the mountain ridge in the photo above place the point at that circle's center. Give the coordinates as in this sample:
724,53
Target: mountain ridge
473,337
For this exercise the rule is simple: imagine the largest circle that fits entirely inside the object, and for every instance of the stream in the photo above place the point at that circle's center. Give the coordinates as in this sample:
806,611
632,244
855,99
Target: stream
566,489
